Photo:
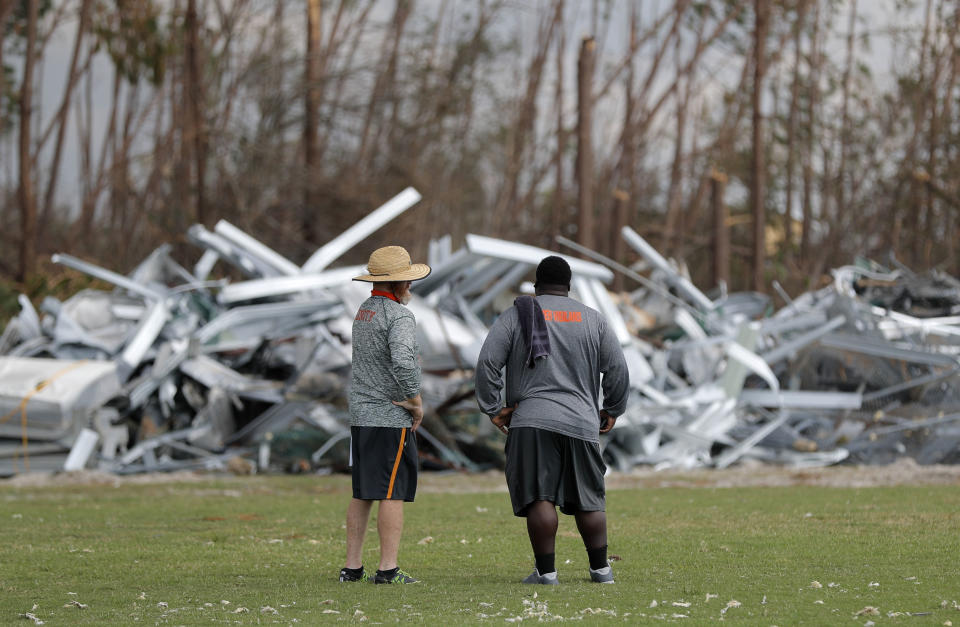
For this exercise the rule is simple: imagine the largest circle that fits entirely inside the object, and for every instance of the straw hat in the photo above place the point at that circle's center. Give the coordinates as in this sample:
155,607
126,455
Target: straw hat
392,263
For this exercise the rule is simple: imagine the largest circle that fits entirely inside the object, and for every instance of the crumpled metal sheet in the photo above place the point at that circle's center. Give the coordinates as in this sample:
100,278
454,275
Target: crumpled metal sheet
186,370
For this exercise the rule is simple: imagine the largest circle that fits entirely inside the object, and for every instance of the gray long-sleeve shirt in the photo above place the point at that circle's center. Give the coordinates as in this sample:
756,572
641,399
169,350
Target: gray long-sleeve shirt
386,364
561,393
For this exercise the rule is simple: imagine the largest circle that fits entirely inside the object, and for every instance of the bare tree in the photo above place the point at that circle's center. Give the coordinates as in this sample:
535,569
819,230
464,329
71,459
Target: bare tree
626,193
62,117
670,242
383,85
521,129
842,198
6,8
806,245
196,134
792,122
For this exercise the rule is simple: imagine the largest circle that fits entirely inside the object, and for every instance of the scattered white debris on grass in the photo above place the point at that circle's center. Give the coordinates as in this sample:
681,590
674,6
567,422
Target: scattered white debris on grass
732,603
163,605
224,602
533,609
868,611
241,610
816,584
266,609
709,596
327,602
598,610
653,603
681,604
426,540
329,611
32,616
481,510
873,584
77,604
818,602
679,616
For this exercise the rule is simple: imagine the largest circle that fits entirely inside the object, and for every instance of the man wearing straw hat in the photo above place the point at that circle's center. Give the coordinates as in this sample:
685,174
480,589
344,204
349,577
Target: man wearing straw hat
385,410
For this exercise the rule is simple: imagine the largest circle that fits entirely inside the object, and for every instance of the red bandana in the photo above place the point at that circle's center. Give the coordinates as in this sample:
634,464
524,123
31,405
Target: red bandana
385,295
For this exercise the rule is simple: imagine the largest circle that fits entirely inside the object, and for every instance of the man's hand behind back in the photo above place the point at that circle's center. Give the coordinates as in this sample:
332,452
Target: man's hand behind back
415,407
606,421
502,420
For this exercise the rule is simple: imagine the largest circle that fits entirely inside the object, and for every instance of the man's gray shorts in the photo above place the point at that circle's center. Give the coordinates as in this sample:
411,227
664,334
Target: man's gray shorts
547,466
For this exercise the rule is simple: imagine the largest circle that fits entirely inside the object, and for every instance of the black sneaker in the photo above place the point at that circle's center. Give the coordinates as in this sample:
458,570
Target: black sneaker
395,576
347,574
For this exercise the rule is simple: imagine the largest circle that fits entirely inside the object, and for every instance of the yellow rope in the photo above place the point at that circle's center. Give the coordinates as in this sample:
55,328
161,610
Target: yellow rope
22,408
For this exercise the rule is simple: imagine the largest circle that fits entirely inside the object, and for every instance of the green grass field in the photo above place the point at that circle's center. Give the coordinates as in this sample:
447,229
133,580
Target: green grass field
266,550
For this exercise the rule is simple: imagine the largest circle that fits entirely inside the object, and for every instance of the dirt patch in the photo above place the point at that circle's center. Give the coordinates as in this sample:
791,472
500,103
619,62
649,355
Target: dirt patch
96,477
903,472
748,474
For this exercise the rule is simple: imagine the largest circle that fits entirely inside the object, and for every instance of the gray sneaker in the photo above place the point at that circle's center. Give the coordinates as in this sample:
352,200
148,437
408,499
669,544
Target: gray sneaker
550,579
603,575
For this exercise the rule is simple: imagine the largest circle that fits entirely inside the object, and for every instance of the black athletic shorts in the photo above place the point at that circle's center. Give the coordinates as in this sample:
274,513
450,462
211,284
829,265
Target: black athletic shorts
384,463
547,466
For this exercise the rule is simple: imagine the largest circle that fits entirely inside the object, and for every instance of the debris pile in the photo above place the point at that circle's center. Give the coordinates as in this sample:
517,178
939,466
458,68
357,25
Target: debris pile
173,369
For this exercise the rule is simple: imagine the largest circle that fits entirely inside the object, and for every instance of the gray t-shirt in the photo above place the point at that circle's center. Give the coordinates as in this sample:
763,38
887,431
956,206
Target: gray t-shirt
561,393
386,364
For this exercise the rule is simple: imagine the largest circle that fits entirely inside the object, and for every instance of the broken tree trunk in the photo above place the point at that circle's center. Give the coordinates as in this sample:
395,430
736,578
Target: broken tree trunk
28,202
757,166
311,78
721,231
584,144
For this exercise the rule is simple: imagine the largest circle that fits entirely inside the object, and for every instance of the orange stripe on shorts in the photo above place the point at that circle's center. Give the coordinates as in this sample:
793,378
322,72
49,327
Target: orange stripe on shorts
396,463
